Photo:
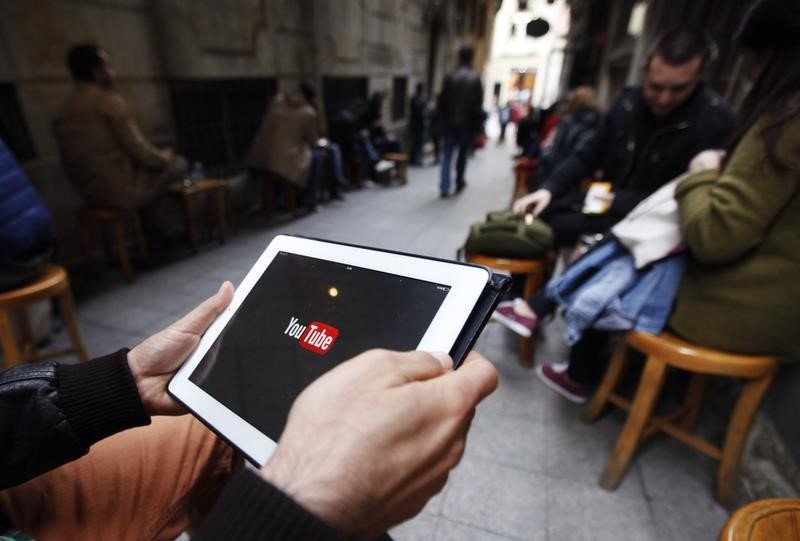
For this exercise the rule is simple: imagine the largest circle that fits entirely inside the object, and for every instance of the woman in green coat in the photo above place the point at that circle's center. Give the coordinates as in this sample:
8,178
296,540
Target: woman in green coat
741,219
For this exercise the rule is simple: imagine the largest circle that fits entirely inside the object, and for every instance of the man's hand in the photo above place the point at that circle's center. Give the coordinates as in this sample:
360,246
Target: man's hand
154,361
370,442
539,199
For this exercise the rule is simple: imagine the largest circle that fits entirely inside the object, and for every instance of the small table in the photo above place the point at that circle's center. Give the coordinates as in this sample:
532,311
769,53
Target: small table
400,160
217,191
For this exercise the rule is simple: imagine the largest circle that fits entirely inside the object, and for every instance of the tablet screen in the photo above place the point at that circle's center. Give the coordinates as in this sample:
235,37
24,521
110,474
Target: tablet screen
303,317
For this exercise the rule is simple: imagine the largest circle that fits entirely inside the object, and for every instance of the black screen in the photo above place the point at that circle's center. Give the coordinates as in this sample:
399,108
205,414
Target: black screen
303,317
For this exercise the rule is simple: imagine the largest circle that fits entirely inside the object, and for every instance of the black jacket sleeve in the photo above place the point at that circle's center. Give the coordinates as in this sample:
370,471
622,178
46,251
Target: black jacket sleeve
51,413
582,162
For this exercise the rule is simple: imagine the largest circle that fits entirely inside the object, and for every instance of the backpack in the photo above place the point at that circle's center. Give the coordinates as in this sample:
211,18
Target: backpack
506,234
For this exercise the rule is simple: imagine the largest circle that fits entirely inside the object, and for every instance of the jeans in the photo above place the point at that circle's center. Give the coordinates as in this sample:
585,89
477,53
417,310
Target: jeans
460,138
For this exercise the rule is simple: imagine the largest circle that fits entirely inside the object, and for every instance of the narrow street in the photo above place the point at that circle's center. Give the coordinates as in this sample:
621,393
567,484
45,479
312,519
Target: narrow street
531,467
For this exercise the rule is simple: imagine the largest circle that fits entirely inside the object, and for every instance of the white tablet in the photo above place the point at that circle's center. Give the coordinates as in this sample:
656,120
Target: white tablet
306,306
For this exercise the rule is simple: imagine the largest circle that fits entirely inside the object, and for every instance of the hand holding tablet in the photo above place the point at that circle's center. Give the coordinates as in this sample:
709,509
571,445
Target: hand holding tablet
307,306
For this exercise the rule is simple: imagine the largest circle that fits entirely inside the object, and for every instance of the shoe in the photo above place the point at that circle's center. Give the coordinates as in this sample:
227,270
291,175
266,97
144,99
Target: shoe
556,378
337,196
444,195
460,187
522,325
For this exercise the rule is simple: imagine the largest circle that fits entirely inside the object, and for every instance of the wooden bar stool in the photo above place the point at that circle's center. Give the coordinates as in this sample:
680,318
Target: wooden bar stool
268,183
764,520
217,193
534,271
113,222
522,169
54,283
400,160
663,351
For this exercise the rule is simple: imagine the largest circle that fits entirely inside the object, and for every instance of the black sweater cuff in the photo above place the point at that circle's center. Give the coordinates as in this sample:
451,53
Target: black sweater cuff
100,398
251,508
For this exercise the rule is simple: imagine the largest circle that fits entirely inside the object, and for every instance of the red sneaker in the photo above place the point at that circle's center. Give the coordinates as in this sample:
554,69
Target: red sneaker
522,325
555,377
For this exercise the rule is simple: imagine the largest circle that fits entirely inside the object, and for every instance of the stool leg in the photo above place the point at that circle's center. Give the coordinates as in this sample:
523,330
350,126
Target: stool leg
219,210
71,324
140,240
191,230
84,231
533,282
9,344
616,369
402,172
695,394
28,345
738,427
122,251
638,416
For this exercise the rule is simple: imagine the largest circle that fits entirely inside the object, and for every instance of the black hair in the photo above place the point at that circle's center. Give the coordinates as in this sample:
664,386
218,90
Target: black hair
680,45
773,27
82,59
465,55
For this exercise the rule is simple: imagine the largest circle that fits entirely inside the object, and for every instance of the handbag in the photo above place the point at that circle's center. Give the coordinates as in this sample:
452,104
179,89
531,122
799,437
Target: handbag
507,234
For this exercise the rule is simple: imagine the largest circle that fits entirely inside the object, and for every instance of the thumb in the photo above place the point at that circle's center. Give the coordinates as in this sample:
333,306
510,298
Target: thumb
413,366
199,319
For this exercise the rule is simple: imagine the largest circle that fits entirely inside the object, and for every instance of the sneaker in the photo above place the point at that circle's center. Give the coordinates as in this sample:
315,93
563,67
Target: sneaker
444,194
522,325
460,187
555,376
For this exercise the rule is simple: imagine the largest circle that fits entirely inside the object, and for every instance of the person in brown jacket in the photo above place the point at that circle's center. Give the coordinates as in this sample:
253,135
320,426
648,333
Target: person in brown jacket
289,131
103,152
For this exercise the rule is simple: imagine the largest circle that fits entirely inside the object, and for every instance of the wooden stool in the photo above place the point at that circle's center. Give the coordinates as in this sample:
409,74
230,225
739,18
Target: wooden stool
534,271
268,183
667,350
54,283
217,192
522,169
764,520
400,160
112,220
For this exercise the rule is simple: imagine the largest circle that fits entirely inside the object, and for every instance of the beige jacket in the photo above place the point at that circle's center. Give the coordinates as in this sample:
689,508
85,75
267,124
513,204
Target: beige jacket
103,152
284,141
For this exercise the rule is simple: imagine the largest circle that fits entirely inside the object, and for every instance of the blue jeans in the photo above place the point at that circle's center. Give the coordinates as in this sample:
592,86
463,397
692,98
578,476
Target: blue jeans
460,138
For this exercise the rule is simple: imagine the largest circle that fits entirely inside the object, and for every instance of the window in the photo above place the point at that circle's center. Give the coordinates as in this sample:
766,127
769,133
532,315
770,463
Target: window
399,96
216,120
13,129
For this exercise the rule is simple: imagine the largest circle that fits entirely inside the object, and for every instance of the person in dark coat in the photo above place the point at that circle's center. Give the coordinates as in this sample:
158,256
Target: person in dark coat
26,227
647,138
416,123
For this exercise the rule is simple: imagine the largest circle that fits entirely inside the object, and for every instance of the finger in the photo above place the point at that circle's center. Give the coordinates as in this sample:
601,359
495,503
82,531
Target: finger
199,319
419,365
476,378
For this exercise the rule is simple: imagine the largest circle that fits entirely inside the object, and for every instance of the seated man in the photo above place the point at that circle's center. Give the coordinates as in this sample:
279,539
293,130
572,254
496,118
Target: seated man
325,481
282,146
102,149
26,227
647,138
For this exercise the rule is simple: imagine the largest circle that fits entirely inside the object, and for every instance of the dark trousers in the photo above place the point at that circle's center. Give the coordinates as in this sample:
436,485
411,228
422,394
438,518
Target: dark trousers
589,358
417,143
568,223
460,139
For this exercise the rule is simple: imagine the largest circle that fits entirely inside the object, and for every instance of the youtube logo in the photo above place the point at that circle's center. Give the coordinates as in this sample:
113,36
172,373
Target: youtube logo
317,337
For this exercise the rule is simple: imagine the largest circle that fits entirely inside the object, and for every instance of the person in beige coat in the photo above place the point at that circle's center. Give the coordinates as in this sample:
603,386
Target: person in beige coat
282,147
103,152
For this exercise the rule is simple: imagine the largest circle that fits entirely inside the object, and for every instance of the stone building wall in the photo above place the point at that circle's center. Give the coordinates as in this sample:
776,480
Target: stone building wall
153,43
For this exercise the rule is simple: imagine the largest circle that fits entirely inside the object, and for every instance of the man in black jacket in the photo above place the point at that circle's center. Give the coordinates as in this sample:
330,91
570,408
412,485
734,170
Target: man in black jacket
325,480
461,114
647,138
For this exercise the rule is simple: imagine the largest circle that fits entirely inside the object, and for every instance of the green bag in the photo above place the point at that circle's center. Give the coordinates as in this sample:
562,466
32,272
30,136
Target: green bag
506,234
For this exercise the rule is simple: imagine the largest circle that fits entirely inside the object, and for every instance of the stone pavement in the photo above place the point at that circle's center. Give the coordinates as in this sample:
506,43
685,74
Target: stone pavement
531,468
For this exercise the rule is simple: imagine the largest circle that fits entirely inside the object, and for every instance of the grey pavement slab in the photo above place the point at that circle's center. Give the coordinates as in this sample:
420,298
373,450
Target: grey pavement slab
531,468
